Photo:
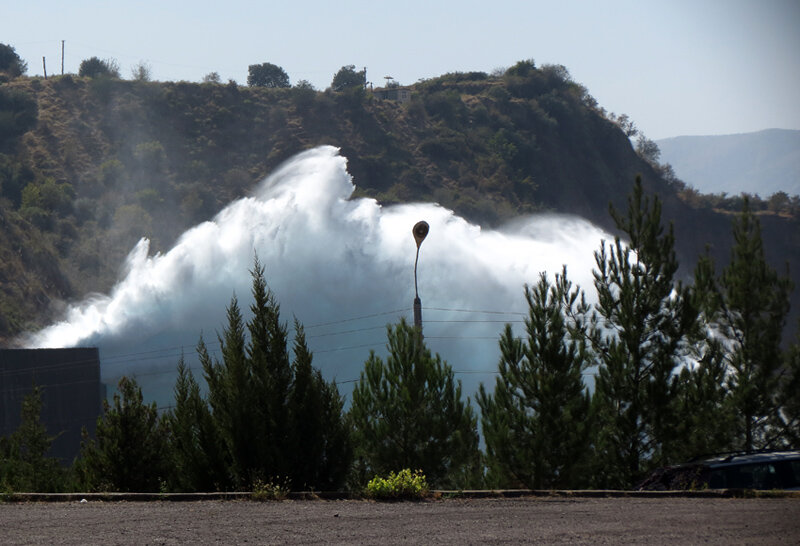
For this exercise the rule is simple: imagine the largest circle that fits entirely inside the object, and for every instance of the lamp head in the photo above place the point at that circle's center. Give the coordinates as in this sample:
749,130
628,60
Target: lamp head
420,231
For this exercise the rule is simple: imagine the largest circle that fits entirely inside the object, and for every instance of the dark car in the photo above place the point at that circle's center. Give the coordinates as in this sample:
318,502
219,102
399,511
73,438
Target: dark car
758,470
770,470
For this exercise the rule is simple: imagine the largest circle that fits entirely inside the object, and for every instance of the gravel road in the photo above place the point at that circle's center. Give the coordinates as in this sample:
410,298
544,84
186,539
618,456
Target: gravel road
454,521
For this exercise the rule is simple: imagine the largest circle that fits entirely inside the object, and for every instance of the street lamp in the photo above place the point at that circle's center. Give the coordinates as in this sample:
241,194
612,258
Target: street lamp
420,231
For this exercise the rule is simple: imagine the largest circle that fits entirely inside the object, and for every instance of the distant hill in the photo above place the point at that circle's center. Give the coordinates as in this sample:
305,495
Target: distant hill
761,163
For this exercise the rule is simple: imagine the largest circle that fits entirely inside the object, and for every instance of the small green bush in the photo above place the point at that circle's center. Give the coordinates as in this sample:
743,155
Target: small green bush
271,490
401,485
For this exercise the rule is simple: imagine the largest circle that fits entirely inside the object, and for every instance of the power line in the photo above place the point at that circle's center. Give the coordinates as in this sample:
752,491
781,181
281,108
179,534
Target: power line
177,351
372,315
476,311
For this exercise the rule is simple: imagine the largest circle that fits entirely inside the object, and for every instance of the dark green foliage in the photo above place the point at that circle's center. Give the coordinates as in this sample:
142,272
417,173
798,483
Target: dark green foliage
50,197
95,67
642,329
24,464
536,423
265,408
409,413
753,302
704,421
228,382
14,176
18,114
267,75
130,449
321,447
196,448
788,418
271,374
10,62
348,78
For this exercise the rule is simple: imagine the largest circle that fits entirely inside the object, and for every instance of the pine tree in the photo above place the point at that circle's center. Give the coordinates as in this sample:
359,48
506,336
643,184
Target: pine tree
321,444
271,375
753,304
536,423
641,331
409,413
229,384
702,402
24,463
278,421
788,417
702,405
130,449
196,446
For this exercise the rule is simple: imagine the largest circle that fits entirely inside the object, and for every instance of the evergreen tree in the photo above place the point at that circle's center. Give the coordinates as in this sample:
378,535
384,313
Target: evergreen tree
24,464
409,413
536,423
130,449
702,402
788,418
277,420
271,374
640,332
321,447
753,303
229,384
196,447
702,405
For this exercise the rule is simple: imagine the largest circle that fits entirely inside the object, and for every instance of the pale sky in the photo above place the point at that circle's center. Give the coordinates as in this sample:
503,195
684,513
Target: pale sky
676,67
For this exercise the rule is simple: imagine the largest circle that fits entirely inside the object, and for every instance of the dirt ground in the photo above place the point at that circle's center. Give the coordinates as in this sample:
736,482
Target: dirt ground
453,521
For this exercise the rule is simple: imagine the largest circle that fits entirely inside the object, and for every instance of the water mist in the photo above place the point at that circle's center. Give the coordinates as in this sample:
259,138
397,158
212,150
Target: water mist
342,266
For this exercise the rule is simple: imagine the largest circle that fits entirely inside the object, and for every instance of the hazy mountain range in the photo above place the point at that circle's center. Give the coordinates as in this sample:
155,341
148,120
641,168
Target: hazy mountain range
763,163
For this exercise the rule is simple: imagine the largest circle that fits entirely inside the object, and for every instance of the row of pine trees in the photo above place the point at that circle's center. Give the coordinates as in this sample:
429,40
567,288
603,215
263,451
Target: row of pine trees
656,372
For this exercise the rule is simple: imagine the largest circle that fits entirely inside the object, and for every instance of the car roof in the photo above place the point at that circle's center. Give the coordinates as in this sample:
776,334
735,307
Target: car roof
742,458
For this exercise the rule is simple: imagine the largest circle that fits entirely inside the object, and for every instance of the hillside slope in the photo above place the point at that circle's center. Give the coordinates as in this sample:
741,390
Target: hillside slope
106,162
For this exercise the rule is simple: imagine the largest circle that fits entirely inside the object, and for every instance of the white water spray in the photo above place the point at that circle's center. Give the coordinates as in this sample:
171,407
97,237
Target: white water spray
344,267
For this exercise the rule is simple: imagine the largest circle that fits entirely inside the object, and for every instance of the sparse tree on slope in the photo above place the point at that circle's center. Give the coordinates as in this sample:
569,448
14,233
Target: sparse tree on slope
408,412
267,75
95,67
536,422
348,78
10,62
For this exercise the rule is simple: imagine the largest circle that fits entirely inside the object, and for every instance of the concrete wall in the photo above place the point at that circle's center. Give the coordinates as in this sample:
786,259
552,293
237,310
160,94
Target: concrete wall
69,380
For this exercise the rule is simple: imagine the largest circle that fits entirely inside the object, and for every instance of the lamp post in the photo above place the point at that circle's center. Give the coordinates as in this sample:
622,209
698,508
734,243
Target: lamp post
420,231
